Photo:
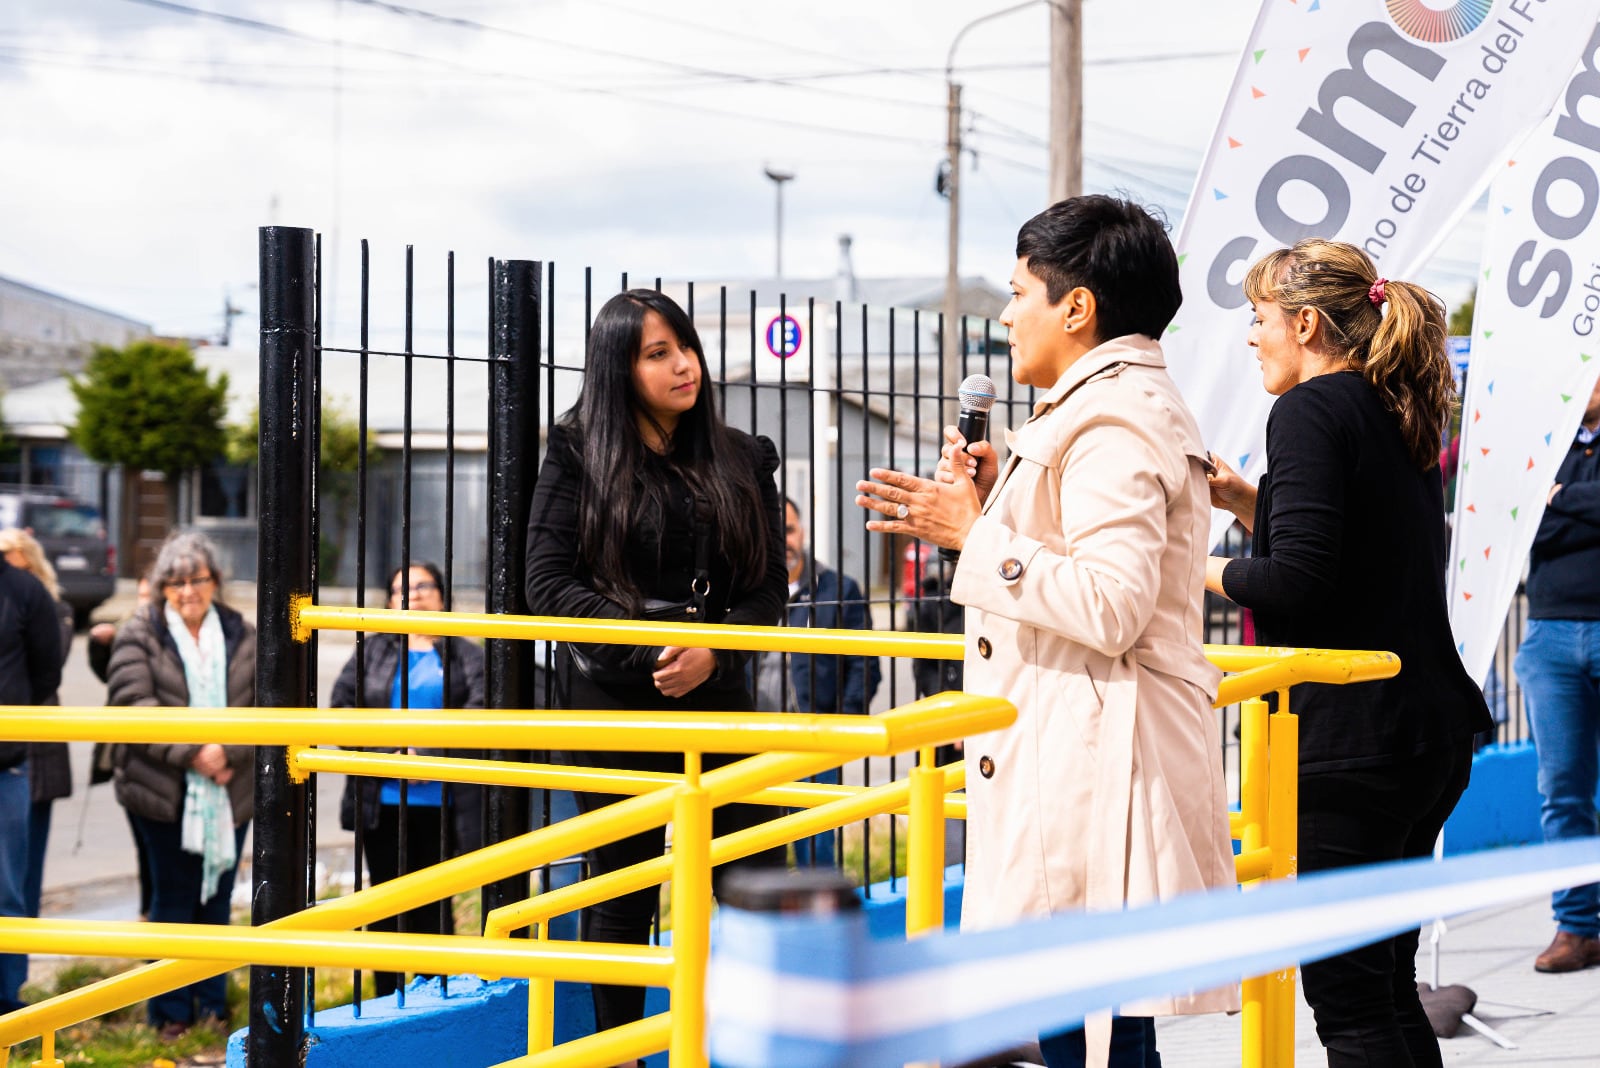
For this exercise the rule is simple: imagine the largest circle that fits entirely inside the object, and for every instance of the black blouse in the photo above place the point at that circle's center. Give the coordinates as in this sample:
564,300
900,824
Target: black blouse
1349,553
660,555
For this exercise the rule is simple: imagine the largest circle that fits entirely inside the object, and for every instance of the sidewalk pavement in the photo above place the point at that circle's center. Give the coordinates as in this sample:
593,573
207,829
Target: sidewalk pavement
1552,1019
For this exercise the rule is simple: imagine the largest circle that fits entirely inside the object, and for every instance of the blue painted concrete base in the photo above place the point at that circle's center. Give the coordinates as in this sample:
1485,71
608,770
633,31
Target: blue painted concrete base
479,1024
482,1024
1501,805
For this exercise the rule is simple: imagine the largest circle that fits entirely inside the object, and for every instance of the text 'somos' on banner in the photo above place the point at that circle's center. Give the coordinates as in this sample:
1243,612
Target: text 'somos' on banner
1372,122
1535,355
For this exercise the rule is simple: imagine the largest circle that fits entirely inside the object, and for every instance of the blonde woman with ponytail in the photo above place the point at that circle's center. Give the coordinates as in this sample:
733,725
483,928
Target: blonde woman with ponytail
1349,549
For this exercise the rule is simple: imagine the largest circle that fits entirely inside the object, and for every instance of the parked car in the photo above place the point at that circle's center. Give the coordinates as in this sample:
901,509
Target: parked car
73,536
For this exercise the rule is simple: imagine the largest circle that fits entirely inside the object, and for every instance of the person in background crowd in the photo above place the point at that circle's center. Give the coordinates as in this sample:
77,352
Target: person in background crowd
1349,553
1081,570
98,650
821,597
1559,667
934,612
648,506
437,673
30,673
49,764
191,804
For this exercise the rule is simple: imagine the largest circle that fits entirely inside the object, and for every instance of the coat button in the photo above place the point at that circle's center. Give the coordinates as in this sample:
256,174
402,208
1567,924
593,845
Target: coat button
1010,568
986,767
984,648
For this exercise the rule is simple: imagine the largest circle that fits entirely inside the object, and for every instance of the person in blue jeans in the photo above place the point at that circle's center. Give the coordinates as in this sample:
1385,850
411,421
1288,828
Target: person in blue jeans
30,672
818,597
1559,668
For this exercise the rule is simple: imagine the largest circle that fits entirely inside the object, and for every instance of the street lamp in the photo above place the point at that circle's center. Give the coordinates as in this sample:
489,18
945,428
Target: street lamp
778,178
1065,21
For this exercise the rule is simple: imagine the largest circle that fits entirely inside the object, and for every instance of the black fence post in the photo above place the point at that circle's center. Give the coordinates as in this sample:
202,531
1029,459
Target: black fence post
284,675
514,323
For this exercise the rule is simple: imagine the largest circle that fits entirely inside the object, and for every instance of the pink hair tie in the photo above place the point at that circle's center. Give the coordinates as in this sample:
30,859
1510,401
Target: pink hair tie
1375,293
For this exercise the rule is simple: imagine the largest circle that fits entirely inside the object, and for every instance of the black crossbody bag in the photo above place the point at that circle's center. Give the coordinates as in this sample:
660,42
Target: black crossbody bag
635,665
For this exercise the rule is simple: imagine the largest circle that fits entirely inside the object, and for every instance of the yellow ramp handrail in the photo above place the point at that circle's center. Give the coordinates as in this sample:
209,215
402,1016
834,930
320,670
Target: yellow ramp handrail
796,744
930,721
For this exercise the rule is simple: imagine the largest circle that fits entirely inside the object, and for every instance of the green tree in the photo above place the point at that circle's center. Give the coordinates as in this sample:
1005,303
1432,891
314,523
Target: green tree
340,445
151,407
337,459
1461,318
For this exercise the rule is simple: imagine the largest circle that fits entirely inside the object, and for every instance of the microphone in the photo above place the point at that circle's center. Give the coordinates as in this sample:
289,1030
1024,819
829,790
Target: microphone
977,397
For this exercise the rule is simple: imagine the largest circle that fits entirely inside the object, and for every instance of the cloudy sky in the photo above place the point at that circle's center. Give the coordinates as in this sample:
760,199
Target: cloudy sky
145,140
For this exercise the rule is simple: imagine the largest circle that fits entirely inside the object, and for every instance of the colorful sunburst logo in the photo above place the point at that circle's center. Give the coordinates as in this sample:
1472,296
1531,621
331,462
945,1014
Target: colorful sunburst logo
1438,25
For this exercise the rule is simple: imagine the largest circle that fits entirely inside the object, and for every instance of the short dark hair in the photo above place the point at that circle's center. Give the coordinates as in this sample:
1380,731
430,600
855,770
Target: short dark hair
1114,248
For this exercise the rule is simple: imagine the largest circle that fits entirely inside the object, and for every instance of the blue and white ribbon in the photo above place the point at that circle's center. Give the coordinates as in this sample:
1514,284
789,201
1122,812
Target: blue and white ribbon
808,992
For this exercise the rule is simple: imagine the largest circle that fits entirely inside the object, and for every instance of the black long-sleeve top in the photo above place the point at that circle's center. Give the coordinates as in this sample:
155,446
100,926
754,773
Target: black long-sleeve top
1349,553
661,560
1564,566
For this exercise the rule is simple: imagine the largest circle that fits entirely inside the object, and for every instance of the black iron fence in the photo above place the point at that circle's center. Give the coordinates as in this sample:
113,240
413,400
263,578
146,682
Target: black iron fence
838,386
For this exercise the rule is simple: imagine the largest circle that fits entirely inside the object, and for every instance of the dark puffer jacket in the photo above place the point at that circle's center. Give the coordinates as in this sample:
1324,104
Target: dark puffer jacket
146,669
464,662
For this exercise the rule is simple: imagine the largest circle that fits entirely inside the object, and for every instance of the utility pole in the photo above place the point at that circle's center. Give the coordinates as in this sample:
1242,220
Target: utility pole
778,178
954,336
1066,99
953,341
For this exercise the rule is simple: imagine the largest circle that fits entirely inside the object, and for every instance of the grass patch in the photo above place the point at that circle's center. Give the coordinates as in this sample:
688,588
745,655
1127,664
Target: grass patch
122,1039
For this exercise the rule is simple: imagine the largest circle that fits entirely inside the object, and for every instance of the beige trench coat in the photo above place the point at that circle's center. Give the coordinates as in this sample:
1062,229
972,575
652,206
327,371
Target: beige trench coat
1084,581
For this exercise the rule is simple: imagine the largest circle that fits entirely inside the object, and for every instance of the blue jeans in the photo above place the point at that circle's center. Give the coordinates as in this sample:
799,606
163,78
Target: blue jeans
1559,667
1133,1045
14,806
175,898
817,851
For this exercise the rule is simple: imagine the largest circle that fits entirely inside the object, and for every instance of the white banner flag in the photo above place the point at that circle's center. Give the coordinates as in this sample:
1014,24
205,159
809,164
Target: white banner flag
1535,356
1372,122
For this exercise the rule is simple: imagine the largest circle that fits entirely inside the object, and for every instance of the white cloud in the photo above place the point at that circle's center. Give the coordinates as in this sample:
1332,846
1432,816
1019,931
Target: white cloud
144,146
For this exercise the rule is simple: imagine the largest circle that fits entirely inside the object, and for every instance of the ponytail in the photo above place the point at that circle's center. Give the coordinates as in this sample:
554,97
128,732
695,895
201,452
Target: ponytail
1406,363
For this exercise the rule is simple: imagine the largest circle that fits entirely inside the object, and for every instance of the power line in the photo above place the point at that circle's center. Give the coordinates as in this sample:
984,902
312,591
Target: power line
787,47
553,86
1003,66
712,74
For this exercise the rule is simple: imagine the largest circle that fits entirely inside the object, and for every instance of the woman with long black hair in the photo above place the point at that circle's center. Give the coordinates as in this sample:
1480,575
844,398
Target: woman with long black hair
648,506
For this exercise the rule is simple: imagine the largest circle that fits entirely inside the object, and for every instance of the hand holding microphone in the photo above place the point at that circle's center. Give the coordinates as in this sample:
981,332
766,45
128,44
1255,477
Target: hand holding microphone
940,510
976,395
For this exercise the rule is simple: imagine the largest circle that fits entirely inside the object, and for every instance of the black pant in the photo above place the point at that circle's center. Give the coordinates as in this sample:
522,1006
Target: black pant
1133,1045
382,847
1365,1001
627,919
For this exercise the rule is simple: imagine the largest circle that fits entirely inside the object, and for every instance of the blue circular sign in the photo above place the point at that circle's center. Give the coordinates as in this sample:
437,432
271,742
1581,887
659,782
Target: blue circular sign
783,336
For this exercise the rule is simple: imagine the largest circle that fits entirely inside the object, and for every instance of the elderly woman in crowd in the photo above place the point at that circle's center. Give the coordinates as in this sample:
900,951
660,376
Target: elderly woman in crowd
49,768
190,803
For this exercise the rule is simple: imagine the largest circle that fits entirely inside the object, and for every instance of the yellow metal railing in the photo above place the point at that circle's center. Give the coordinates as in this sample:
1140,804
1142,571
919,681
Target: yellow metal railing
805,745
796,746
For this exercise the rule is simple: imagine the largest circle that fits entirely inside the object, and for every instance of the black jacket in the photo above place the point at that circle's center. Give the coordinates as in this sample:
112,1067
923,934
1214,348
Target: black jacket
463,664
30,648
1564,566
661,563
934,612
50,763
1349,553
661,560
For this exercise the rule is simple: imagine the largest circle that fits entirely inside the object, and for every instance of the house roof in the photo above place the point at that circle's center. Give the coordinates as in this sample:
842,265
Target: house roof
12,287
